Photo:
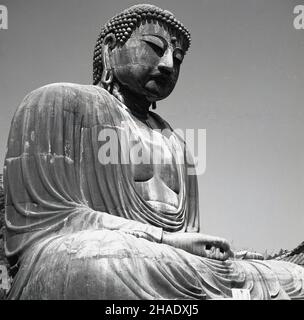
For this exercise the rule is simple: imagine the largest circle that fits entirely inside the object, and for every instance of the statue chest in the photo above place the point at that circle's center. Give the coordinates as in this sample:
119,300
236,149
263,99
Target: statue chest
154,158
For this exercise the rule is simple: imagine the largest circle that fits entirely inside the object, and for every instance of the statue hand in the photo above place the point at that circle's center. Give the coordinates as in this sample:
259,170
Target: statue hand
247,255
199,244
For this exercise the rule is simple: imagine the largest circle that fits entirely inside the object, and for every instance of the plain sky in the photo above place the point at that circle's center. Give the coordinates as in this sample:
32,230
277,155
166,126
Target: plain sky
242,81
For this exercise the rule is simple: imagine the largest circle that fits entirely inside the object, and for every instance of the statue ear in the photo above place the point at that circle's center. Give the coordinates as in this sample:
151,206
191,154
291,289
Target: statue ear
109,43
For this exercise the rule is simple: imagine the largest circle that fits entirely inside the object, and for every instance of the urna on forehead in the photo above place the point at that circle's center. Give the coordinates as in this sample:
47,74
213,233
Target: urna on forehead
123,25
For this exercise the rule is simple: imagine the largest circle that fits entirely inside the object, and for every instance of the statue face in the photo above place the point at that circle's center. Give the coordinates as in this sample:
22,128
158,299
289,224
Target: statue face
148,64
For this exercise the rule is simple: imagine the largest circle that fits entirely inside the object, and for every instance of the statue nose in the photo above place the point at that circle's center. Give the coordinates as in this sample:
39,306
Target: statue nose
166,63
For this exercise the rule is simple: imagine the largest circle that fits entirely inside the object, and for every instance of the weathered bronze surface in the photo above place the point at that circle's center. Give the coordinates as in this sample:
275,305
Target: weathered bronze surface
78,228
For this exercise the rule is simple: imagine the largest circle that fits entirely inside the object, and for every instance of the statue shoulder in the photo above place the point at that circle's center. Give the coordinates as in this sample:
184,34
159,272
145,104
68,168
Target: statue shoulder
67,96
66,88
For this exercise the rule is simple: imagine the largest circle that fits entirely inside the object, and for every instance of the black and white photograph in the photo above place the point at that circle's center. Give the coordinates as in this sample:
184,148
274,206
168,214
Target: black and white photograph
151,151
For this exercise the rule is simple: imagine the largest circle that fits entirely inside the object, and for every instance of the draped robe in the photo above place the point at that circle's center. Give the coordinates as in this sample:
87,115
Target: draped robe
78,229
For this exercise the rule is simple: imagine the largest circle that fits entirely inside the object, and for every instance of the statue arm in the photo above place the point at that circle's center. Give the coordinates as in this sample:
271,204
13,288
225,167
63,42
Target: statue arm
86,218
194,243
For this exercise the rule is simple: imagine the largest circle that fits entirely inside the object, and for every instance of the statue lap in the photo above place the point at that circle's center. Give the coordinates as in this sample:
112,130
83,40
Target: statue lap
103,264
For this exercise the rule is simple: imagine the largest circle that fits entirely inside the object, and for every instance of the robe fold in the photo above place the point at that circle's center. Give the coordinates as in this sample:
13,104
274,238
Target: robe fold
78,229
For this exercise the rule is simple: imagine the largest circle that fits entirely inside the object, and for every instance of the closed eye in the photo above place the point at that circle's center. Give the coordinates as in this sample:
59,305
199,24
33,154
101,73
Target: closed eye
156,43
159,51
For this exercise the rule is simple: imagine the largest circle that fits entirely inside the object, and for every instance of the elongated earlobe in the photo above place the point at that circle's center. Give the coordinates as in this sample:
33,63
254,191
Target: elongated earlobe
107,74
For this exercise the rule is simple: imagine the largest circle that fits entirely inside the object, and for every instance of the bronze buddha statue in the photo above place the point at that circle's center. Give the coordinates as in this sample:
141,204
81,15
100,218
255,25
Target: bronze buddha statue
78,227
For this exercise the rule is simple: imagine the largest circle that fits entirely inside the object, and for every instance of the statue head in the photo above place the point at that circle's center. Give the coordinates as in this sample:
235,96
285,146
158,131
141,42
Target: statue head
140,51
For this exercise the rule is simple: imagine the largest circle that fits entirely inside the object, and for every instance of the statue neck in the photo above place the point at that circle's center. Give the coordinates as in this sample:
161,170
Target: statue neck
137,104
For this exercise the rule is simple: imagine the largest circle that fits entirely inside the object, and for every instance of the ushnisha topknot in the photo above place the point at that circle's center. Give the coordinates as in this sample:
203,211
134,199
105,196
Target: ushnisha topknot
123,24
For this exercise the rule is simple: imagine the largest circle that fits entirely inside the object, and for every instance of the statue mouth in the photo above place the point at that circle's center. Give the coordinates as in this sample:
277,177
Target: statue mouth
161,80
158,85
